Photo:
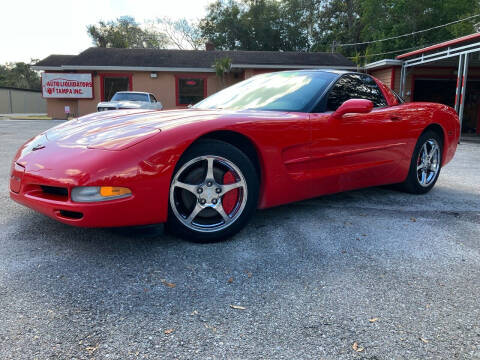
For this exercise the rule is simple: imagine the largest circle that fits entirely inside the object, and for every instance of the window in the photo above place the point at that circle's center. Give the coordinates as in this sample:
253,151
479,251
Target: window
152,99
129,96
113,83
280,91
372,92
191,90
355,86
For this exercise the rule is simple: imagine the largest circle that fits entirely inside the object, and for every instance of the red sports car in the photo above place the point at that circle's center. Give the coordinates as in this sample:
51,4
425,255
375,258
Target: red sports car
269,140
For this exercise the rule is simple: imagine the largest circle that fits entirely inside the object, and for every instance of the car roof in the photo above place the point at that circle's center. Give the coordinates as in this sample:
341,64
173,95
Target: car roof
133,92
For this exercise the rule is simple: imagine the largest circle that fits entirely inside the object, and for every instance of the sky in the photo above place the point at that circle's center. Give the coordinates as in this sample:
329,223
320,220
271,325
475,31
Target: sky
35,29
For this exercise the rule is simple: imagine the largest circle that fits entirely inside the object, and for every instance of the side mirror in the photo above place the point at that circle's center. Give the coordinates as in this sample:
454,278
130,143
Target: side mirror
351,106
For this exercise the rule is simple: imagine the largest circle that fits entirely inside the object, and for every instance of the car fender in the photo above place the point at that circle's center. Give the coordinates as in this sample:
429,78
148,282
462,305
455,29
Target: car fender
276,151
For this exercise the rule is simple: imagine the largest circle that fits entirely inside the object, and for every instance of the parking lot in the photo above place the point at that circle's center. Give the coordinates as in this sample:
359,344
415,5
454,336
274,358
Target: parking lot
374,274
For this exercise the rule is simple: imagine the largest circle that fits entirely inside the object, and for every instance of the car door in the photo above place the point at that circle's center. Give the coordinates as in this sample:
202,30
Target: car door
357,150
151,101
154,103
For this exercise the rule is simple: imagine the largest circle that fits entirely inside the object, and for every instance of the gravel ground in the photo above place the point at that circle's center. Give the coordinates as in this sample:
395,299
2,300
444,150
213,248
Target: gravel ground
395,276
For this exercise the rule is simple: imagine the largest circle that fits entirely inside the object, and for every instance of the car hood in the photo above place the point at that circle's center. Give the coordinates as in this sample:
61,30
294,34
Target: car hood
123,104
120,129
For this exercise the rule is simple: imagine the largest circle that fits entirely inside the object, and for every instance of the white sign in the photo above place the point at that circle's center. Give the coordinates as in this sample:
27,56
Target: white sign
67,85
67,109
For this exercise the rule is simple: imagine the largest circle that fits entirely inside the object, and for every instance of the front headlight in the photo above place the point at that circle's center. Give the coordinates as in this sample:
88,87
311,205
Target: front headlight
99,193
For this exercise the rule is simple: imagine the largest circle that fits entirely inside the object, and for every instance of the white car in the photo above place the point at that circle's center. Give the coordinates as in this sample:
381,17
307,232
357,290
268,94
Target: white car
130,100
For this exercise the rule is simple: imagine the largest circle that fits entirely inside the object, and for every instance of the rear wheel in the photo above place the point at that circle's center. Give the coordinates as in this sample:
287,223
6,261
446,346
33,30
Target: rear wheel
213,192
425,165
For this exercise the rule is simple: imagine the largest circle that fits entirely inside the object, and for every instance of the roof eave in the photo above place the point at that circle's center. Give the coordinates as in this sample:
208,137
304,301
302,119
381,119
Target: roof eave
263,66
383,64
441,45
187,69
41,67
136,68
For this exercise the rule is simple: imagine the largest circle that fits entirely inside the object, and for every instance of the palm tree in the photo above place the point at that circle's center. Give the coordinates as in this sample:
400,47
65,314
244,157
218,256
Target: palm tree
222,66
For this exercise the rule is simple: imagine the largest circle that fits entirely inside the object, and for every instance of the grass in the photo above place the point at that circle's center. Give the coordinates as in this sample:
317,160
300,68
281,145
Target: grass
27,117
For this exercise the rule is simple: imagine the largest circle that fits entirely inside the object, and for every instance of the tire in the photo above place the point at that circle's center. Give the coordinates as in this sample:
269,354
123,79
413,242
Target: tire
213,192
425,166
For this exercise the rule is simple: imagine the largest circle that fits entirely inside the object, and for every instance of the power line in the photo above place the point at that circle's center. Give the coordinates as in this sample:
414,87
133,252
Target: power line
410,34
388,52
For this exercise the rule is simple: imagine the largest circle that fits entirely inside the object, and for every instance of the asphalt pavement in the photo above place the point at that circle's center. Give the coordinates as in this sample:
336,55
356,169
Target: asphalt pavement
368,274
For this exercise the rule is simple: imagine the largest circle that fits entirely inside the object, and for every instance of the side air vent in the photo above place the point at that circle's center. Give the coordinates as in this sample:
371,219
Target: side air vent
53,190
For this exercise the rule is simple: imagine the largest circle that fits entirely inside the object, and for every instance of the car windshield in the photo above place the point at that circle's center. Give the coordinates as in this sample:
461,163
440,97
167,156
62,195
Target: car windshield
130,97
280,91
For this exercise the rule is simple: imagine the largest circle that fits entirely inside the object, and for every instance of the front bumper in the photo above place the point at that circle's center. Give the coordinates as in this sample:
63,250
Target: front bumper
112,214
53,198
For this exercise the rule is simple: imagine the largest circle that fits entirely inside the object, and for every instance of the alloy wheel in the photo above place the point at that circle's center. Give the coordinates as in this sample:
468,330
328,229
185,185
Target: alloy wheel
428,162
208,193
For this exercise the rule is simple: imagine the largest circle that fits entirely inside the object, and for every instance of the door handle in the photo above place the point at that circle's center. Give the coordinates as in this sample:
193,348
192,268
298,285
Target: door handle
395,118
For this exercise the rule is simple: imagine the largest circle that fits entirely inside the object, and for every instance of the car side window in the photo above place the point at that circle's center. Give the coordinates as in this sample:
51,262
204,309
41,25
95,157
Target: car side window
342,91
152,99
372,92
355,86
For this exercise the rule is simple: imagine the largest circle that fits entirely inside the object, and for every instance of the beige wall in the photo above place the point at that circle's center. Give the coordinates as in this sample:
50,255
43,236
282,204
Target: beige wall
396,80
22,102
249,73
163,87
56,108
384,75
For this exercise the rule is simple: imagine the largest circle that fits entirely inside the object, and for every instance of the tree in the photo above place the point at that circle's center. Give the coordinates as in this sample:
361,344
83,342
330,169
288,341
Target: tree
255,25
328,25
301,21
390,18
20,75
125,32
222,66
222,25
181,33
339,22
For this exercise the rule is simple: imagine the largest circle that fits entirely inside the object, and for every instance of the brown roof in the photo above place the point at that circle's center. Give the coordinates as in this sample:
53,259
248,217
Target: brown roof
55,60
98,57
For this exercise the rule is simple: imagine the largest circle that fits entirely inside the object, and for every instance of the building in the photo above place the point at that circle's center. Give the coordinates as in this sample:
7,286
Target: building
448,73
74,84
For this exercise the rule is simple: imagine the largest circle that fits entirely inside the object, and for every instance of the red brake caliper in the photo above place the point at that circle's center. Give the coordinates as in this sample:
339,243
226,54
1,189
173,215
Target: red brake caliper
229,199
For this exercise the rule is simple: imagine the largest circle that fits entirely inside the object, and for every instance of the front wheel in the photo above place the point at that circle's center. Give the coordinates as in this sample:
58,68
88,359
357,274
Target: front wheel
425,164
213,193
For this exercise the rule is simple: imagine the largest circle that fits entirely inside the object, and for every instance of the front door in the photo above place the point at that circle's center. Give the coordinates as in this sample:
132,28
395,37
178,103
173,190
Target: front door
358,150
